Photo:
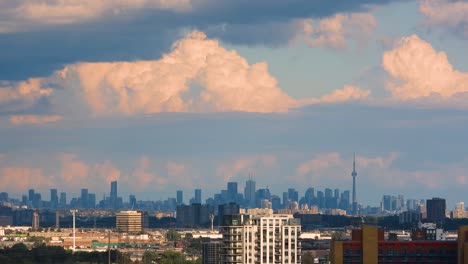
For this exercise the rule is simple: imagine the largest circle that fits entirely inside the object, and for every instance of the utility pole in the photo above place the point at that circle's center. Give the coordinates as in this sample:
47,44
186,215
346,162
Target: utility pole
73,213
108,248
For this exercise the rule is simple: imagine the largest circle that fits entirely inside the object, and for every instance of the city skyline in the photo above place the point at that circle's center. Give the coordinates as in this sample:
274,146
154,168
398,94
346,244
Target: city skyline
248,198
176,95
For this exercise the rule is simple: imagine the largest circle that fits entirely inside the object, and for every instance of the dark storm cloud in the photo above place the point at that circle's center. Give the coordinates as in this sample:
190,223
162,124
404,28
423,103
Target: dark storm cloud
146,34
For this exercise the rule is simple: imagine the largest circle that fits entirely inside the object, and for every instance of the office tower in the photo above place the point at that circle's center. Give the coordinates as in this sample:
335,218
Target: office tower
91,200
63,199
262,238
329,198
194,215
387,203
84,198
31,195
261,194
113,195
53,198
180,197
128,221
436,210
113,192
37,200
286,200
4,197
24,199
198,196
293,195
249,193
231,191
400,202
411,204
211,252
320,199
344,201
336,198
310,196
354,175
132,201
275,202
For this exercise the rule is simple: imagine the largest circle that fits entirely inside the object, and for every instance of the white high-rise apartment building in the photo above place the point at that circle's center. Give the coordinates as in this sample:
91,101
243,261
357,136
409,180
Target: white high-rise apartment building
459,211
261,238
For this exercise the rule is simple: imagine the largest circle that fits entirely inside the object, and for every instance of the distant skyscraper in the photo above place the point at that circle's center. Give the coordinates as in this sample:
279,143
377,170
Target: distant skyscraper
132,201
320,199
31,195
436,210
84,198
198,197
180,197
232,191
260,195
387,203
91,200
309,196
113,195
37,200
113,192
354,175
63,199
249,193
293,195
53,198
4,196
344,201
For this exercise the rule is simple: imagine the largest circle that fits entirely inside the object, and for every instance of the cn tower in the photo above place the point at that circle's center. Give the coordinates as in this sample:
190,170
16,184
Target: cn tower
354,174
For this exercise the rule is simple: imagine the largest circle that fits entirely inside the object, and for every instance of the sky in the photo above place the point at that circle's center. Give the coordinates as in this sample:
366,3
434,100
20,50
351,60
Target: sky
166,95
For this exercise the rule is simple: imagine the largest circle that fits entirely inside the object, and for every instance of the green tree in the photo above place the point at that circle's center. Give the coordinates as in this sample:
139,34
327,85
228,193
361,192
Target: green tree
172,257
149,257
173,235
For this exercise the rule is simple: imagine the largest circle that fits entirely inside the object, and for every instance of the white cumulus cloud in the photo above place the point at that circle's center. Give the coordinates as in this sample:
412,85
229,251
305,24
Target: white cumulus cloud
337,31
418,70
198,75
23,93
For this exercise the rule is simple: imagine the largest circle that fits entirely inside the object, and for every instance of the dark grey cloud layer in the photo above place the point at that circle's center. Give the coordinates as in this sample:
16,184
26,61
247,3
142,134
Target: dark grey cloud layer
146,34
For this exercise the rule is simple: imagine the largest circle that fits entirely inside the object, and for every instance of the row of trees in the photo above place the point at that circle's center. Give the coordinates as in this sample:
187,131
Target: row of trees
20,254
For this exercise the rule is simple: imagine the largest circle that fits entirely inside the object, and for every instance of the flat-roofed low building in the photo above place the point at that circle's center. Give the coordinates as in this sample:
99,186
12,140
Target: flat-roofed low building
368,245
128,221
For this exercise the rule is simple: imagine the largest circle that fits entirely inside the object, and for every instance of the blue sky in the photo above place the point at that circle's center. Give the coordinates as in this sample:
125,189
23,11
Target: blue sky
167,95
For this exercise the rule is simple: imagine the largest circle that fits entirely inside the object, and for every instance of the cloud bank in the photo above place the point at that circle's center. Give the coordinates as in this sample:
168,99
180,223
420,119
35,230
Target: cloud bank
24,14
447,14
197,75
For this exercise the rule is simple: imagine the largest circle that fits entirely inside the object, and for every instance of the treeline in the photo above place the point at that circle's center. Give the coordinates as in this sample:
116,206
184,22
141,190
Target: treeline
20,254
